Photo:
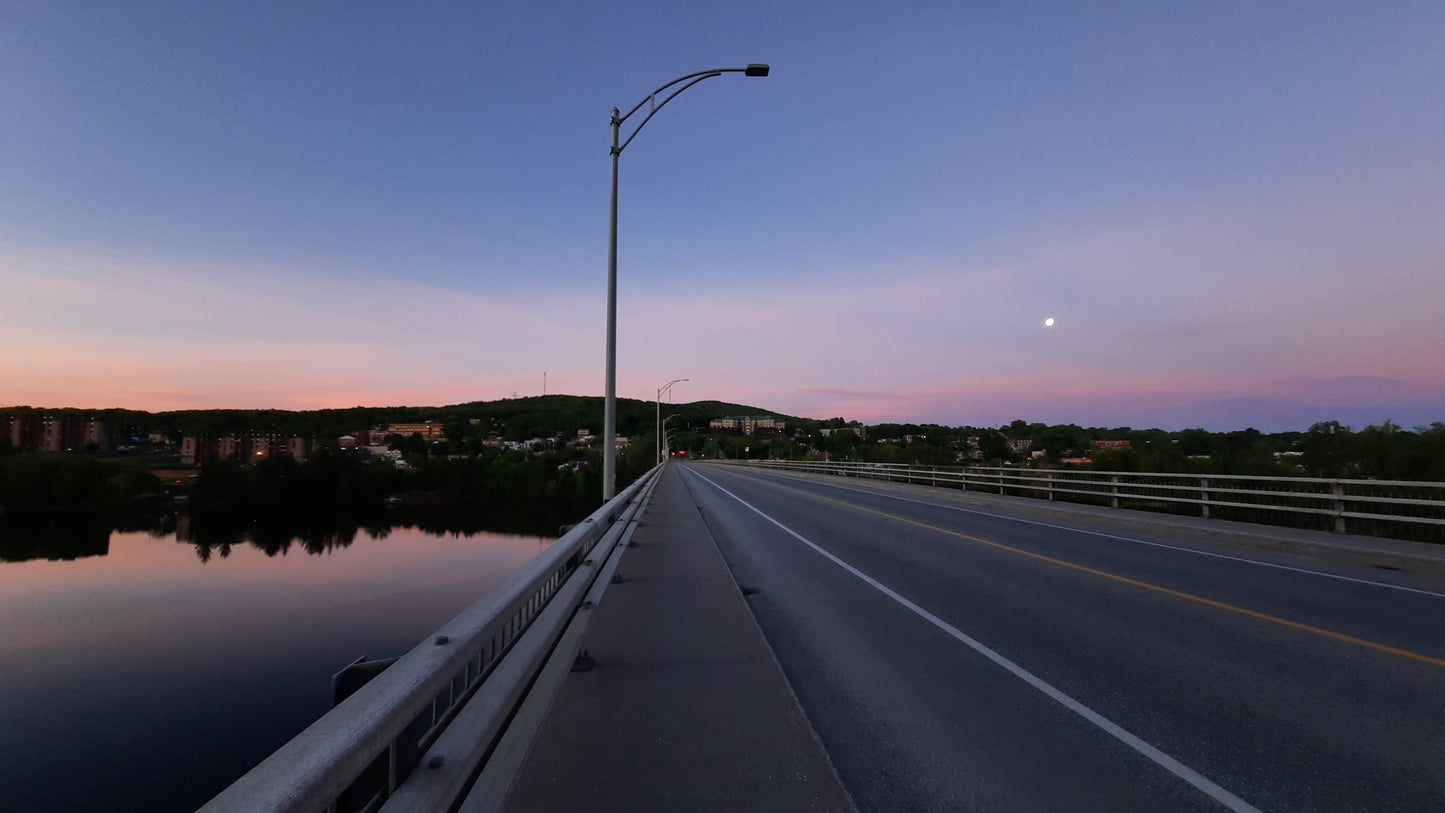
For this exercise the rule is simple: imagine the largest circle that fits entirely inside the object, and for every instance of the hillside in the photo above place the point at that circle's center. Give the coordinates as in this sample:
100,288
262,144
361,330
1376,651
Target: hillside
511,418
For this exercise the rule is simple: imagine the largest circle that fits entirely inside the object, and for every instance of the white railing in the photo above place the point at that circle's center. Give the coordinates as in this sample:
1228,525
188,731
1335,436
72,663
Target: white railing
1339,505
472,674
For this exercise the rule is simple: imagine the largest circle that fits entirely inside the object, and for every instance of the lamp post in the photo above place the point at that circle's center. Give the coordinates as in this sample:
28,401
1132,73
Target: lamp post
666,438
660,390
609,411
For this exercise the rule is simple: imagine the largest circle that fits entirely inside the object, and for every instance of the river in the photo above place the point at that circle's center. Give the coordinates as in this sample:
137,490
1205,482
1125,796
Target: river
148,673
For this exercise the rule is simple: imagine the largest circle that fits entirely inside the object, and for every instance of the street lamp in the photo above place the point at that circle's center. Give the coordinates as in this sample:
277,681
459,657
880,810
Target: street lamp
609,411
660,390
666,438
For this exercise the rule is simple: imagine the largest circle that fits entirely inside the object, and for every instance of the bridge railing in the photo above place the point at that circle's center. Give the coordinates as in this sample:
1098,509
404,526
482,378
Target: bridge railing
1397,508
473,674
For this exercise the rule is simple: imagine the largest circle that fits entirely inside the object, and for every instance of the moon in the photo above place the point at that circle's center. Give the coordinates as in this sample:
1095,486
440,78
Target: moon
1048,321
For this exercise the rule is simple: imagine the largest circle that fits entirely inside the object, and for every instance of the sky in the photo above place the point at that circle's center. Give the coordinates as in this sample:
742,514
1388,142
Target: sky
1235,212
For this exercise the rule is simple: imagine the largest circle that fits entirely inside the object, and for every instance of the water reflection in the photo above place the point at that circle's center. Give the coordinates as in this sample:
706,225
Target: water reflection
130,650
214,535
58,538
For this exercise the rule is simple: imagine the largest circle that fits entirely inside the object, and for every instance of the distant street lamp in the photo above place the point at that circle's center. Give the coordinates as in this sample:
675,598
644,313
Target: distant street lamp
666,438
609,412
660,390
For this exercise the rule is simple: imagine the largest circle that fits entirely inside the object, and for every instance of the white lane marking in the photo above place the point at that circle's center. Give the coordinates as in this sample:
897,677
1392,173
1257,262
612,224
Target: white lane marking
1306,571
1160,758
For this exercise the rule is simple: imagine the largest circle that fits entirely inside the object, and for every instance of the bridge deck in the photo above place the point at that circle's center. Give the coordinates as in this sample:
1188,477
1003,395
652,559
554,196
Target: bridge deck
686,707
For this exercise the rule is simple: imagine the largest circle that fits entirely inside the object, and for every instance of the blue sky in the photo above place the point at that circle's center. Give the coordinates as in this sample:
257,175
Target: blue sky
1232,209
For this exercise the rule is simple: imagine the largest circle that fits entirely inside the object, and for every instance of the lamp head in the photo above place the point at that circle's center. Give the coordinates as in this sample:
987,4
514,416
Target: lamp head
755,69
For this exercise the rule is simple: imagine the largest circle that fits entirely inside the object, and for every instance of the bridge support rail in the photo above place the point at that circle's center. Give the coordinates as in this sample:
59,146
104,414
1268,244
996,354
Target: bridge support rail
1391,508
477,667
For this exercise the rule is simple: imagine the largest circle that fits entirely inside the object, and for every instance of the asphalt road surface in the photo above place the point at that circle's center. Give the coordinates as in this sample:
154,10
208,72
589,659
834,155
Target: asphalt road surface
955,659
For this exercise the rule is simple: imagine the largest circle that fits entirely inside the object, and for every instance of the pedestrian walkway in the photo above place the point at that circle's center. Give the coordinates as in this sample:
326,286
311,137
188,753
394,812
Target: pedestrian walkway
685,707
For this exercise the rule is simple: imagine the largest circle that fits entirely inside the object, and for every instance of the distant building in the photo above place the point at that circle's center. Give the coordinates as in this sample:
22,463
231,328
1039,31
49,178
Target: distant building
58,432
394,455
860,431
247,447
1108,444
747,424
1020,445
370,437
428,430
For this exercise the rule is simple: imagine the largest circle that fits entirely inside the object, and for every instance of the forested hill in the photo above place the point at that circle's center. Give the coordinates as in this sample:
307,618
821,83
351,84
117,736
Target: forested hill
510,418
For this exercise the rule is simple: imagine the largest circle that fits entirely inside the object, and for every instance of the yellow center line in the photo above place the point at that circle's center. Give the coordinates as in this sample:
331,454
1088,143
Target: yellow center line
1338,636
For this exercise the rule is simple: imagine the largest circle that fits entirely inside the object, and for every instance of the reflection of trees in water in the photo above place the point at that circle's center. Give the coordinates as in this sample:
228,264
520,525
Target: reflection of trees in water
539,518
214,534
321,506
58,537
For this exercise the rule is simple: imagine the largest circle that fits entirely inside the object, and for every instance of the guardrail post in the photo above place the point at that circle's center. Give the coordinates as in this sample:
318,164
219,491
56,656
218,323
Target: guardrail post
1326,497
1338,489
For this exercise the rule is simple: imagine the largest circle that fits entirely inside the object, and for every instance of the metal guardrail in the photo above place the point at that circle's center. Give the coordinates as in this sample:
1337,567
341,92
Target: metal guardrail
1398,507
446,703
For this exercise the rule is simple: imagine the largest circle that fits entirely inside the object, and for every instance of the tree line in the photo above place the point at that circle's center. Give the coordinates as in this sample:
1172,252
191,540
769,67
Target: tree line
1383,451
515,419
463,476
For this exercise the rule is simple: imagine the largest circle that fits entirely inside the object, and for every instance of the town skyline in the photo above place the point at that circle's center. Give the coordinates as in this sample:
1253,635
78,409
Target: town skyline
1231,212
748,412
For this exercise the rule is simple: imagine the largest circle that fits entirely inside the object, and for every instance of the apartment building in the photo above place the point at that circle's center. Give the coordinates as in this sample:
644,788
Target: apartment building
247,447
58,432
747,424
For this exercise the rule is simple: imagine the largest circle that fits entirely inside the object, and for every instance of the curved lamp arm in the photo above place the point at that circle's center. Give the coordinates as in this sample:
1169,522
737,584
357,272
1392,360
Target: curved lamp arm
685,82
609,410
